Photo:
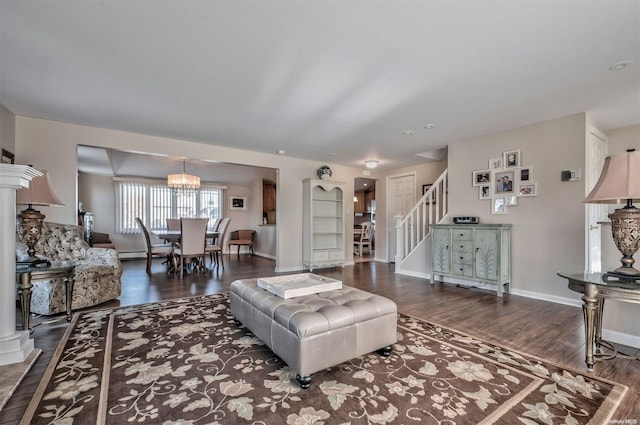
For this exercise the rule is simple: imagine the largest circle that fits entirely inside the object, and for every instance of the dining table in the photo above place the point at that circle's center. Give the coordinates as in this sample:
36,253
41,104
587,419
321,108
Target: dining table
173,236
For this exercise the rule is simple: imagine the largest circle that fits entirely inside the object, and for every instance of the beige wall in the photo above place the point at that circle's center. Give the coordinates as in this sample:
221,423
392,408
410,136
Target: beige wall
52,145
7,129
548,229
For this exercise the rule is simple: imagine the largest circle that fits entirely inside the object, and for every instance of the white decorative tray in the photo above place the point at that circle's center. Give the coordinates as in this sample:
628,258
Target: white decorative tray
297,285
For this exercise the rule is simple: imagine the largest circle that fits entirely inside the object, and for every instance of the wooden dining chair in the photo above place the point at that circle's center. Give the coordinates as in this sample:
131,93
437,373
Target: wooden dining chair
242,237
364,238
153,250
215,250
193,233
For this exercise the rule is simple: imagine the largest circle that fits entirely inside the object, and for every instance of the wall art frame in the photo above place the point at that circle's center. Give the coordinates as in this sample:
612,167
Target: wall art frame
504,182
528,189
7,157
237,202
498,206
512,159
484,191
481,177
526,174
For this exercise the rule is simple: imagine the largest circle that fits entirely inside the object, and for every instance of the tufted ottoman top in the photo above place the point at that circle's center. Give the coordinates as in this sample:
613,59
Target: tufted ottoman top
315,314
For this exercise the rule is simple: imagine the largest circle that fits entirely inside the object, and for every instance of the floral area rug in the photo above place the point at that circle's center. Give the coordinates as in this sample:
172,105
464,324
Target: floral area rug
187,362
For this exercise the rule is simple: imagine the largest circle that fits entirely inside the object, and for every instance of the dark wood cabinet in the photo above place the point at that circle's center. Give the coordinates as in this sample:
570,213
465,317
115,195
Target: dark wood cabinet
269,201
368,198
358,202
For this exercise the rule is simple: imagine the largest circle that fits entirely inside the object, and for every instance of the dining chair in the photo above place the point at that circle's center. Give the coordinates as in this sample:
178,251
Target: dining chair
242,237
364,238
173,224
158,250
193,233
215,249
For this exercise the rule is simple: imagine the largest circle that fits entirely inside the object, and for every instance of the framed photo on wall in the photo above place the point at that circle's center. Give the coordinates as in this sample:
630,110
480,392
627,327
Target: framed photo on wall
504,182
528,189
526,174
7,157
484,191
495,164
238,203
511,159
481,177
425,188
498,206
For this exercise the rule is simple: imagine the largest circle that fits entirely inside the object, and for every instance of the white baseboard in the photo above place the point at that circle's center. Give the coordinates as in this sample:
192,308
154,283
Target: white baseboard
288,269
413,274
132,255
621,338
574,302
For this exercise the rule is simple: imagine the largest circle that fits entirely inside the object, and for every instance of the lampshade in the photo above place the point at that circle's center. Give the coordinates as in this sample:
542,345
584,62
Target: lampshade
39,192
183,181
619,181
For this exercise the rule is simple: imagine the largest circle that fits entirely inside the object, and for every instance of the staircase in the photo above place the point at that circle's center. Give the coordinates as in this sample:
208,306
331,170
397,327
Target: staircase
412,230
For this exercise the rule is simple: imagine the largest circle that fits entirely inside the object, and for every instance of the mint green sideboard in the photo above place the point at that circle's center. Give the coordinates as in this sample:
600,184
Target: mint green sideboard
475,252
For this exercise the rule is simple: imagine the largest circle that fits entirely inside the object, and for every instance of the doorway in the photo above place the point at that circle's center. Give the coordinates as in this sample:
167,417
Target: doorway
401,197
597,148
364,211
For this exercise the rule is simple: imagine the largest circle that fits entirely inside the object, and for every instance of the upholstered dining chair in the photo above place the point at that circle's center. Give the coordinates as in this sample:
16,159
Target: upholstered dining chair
192,244
364,238
214,250
242,237
153,250
173,224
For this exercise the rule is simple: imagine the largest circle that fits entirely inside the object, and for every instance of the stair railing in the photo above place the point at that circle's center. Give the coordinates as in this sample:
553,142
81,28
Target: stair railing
414,227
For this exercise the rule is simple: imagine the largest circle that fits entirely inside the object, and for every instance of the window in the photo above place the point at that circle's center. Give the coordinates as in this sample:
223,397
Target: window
154,202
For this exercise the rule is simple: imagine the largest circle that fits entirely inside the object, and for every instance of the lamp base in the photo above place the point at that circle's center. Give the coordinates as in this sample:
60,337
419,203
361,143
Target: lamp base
625,229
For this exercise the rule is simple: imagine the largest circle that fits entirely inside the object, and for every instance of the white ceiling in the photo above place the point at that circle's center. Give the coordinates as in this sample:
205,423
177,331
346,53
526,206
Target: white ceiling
321,78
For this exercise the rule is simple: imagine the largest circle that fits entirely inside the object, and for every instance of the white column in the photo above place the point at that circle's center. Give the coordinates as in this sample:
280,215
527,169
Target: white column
15,346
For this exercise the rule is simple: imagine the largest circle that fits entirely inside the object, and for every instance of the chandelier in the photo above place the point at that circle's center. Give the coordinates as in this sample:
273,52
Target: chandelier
183,182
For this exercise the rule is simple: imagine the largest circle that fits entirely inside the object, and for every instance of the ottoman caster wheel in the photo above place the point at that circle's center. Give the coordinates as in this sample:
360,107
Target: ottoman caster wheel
385,351
304,381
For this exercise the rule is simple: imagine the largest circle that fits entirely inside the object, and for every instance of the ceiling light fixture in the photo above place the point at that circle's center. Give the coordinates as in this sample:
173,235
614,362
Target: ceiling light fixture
408,133
429,126
183,183
371,163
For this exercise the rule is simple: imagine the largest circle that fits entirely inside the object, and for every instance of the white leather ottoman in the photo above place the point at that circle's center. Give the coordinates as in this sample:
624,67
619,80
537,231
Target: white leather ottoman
314,332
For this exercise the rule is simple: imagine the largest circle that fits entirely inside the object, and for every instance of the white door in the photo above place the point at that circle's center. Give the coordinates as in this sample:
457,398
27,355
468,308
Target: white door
597,149
401,198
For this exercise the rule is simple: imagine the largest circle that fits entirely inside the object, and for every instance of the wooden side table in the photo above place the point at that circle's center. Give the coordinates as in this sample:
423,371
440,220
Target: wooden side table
595,291
58,269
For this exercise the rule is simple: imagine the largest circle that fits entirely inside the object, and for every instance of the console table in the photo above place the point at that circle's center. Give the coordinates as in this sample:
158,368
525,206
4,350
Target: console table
27,274
595,290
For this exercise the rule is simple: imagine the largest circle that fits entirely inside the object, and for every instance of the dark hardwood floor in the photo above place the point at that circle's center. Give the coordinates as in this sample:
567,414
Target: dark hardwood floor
544,329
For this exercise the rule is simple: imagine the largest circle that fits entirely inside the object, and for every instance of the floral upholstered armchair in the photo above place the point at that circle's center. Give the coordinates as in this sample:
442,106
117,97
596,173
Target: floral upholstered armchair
97,272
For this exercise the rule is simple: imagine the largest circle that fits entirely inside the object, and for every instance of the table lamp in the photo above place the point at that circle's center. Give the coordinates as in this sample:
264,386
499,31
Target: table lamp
619,183
39,193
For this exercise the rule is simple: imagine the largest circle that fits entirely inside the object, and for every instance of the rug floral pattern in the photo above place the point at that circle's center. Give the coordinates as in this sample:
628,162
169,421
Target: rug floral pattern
187,362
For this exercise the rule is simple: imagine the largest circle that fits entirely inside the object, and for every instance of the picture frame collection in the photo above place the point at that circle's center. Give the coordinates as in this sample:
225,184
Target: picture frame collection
504,181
